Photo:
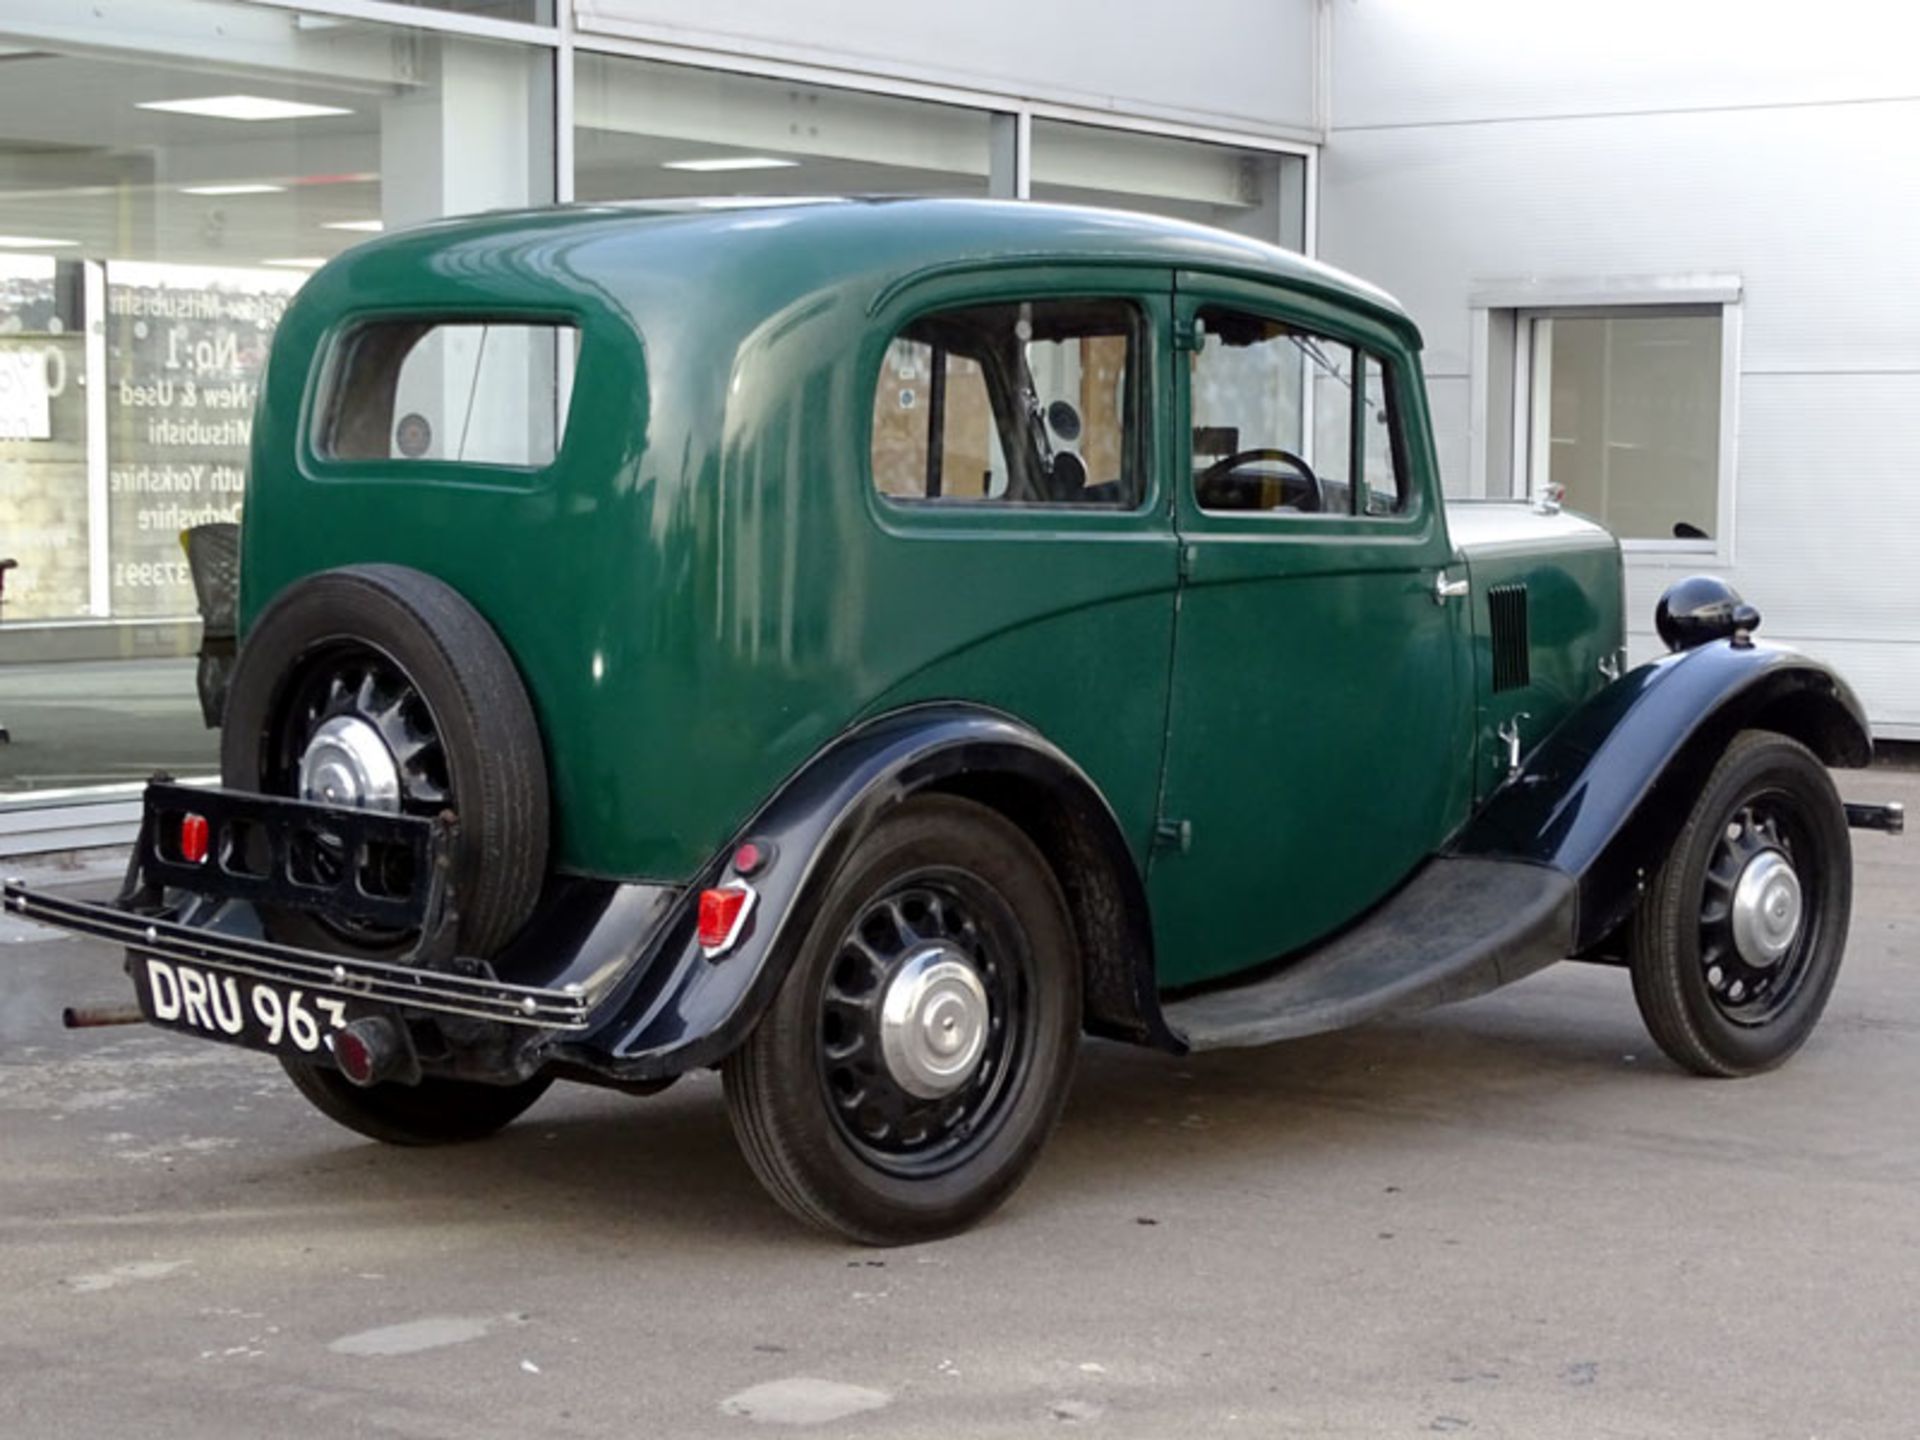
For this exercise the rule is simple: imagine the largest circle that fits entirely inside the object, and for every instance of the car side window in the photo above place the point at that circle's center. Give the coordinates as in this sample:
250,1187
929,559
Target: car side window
1031,402
1380,430
1286,421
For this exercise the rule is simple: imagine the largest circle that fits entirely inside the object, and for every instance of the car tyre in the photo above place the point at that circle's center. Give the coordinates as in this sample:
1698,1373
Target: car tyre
1739,937
407,655
944,934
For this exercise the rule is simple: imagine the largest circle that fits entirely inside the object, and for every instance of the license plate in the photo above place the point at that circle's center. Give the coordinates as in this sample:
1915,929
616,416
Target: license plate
260,1014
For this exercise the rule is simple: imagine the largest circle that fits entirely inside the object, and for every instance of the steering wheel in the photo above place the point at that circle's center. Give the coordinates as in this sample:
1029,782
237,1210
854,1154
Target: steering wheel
1316,492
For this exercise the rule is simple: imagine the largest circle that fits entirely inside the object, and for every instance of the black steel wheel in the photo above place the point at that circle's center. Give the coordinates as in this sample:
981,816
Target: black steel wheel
1739,939
354,730
922,1043
925,1022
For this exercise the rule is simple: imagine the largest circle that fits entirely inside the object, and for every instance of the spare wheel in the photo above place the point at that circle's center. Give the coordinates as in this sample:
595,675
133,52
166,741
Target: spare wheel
380,687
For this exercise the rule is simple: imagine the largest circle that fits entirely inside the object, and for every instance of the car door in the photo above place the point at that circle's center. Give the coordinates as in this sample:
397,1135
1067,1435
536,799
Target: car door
1319,731
1024,556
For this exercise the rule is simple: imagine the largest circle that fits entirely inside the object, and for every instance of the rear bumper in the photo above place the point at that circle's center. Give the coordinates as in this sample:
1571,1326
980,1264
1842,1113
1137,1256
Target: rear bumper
605,980
406,987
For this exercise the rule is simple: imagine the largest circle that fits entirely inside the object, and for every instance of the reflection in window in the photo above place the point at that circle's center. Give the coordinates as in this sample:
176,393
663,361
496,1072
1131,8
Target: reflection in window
646,130
1252,192
1625,418
1027,403
150,254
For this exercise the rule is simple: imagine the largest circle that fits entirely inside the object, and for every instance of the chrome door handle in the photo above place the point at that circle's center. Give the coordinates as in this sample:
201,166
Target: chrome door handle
1445,589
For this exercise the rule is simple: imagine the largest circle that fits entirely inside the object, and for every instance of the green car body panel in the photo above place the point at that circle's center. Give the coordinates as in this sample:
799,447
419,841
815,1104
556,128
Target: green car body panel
704,589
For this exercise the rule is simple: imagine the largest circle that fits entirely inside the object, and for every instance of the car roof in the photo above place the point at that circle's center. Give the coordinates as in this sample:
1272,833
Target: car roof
885,242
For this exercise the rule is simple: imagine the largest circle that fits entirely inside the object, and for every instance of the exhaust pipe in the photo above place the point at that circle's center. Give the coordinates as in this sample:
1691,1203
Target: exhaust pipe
1891,817
88,1017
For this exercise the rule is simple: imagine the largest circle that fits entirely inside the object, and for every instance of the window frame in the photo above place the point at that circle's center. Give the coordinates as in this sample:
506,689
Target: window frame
1330,320
1501,375
1356,431
1143,290
324,376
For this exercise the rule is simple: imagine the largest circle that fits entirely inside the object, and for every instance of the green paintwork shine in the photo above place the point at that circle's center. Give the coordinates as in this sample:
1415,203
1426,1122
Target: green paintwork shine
698,592
704,590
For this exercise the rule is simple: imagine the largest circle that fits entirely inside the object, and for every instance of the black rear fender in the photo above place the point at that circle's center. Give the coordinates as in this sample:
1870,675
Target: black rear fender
1604,796
680,1010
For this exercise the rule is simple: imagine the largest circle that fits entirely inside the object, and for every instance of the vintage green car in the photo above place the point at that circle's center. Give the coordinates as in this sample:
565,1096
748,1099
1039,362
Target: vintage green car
863,645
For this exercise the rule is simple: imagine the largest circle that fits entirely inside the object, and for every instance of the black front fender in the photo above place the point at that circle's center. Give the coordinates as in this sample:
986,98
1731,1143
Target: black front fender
677,1010
1605,795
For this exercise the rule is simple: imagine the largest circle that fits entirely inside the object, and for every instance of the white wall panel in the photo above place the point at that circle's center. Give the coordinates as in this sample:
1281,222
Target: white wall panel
1482,143
1816,210
1239,63
1447,398
1417,62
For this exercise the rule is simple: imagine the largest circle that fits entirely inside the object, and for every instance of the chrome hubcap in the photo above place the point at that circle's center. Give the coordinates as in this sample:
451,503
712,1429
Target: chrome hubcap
933,1022
1767,908
347,763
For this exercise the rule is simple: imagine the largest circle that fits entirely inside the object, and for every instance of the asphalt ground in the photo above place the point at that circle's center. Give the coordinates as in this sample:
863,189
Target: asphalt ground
1508,1218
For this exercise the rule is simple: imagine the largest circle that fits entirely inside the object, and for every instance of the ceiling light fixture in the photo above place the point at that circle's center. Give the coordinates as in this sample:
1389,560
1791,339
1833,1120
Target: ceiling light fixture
33,242
232,189
731,162
365,227
242,107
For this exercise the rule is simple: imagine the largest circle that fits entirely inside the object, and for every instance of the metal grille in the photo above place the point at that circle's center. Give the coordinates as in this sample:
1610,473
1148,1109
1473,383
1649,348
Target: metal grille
1507,615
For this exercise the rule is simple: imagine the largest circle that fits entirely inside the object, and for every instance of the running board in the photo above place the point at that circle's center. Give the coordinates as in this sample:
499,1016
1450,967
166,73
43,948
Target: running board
1461,927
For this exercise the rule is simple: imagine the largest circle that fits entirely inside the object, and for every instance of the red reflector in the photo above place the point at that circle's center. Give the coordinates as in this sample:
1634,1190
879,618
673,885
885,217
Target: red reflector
193,839
721,912
353,1056
748,857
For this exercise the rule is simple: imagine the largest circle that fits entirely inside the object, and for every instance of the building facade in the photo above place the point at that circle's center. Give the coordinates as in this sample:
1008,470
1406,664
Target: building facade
1661,258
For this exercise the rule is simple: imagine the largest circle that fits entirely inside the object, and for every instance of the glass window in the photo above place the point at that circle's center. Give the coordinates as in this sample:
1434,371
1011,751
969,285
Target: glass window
163,195
1023,403
646,130
1386,483
538,12
472,393
1279,415
1624,417
1258,193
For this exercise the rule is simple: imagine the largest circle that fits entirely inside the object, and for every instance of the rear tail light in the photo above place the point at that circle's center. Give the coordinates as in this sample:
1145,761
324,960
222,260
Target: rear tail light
723,916
193,839
368,1050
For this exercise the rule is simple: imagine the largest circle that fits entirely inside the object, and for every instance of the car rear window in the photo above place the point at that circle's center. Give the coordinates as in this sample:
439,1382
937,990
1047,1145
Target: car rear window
476,392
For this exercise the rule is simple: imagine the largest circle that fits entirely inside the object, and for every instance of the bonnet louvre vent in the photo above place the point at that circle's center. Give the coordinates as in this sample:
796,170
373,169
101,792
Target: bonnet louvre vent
1507,614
